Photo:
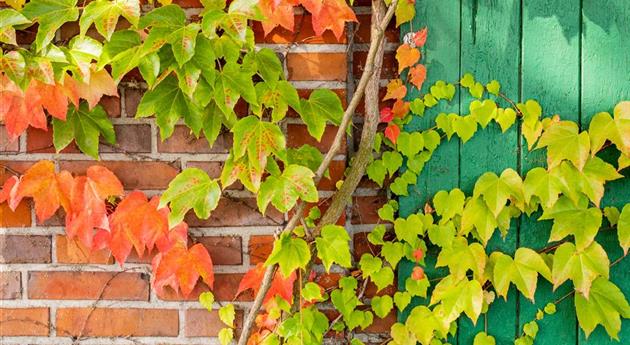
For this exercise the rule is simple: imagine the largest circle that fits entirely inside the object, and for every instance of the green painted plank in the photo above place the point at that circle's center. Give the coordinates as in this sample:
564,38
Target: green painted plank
491,50
605,82
441,55
550,74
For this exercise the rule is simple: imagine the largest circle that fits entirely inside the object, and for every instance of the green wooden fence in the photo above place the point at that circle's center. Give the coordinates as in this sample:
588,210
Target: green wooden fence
573,56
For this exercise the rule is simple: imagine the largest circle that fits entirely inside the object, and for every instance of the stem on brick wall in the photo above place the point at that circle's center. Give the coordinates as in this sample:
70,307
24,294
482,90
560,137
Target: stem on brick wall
368,85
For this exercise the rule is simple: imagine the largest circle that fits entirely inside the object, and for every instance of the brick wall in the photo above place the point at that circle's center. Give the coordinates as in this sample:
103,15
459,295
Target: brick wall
50,285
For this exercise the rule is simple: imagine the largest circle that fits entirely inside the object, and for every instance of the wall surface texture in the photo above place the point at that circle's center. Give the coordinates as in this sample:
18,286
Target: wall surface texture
52,291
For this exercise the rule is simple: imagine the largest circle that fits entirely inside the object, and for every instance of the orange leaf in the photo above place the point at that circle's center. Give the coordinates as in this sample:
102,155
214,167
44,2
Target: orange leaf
20,109
395,90
279,286
400,109
417,75
406,56
181,267
101,83
48,189
392,132
387,115
8,192
329,14
420,38
277,13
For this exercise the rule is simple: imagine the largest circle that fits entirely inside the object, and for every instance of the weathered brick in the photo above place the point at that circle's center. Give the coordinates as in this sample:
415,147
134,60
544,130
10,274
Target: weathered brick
24,322
88,285
363,246
390,67
111,105
132,174
317,66
201,323
183,140
117,322
130,138
225,287
365,209
237,212
24,249
335,170
213,169
132,99
260,247
297,135
382,325
21,217
74,252
223,250
10,285
41,141
363,30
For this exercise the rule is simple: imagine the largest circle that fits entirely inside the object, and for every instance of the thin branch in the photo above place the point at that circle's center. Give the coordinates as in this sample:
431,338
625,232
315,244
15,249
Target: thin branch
375,47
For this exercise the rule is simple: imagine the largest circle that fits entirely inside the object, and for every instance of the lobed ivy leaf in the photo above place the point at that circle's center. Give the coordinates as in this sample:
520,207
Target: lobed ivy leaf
605,305
563,141
50,15
581,266
191,189
457,296
322,105
104,15
482,338
539,182
296,182
410,144
332,246
8,19
425,324
461,257
289,254
623,228
382,305
449,204
84,126
578,220
522,271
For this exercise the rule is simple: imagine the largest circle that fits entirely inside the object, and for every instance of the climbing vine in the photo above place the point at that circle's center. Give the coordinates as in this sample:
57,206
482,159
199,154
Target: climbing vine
197,70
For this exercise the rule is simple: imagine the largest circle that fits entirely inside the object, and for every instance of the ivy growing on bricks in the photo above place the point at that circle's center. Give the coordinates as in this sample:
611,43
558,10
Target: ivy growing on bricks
198,69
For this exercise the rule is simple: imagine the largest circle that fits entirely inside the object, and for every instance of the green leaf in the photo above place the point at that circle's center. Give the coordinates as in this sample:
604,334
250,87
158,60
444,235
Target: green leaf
258,139
505,118
382,305
445,123
461,257
206,299
86,126
50,16
383,278
321,105
563,141
417,107
312,292
332,246
8,19
477,214
296,182
577,220
431,140
123,52
104,14
402,299
168,103
442,235
603,127
604,306
539,182
269,65
483,112
183,41
191,189
464,126
449,204
482,338
377,171
393,161
386,212
227,314
63,133
457,296
582,267
531,329
392,252
226,335
289,253
409,144
550,308
369,265
522,271
233,82
410,228
405,11
493,87
376,235
623,228
497,190
306,155
425,325
417,287
476,90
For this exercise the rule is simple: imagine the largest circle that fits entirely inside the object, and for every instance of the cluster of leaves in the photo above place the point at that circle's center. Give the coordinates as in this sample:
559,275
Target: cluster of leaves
568,190
135,223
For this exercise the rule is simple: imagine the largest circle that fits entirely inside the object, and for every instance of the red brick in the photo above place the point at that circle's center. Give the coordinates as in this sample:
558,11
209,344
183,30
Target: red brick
213,169
201,323
336,171
363,30
88,285
73,252
5,144
132,99
390,67
130,138
365,209
133,175
317,66
297,135
225,250
225,287
24,322
41,141
20,218
188,3
10,285
382,325
303,33
260,247
24,249
236,212
111,105
115,322
183,140
15,166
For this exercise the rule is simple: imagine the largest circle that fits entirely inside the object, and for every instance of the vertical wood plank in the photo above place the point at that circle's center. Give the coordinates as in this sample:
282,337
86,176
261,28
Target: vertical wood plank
441,55
491,50
605,82
551,75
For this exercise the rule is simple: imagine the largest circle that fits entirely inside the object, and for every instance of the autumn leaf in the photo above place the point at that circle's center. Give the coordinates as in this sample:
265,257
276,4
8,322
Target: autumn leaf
400,109
101,83
420,38
181,267
395,90
392,132
8,192
48,189
329,14
406,56
417,75
279,286
387,115
277,13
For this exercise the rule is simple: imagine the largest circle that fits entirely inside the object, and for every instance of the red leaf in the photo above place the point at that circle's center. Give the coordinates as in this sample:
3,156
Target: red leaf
395,90
420,38
400,109
8,192
279,286
417,75
48,189
181,268
329,14
392,132
387,115
406,56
